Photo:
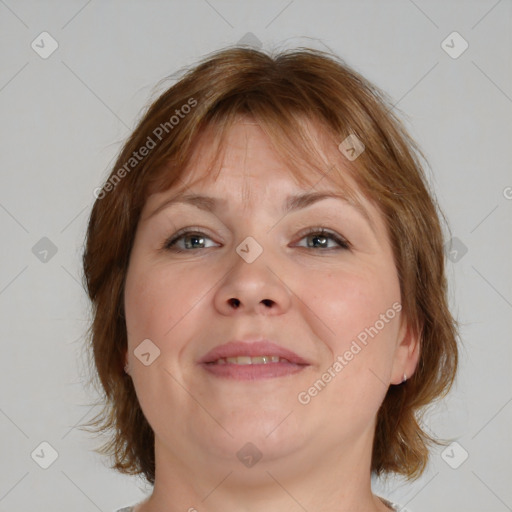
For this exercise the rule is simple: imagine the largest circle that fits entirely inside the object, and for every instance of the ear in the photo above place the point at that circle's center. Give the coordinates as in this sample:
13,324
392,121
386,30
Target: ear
407,352
126,363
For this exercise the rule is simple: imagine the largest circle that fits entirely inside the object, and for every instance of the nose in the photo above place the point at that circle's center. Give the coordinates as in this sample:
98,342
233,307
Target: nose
253,288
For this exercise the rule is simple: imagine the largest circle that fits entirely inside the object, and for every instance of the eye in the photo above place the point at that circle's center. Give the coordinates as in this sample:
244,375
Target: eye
192,239
320,238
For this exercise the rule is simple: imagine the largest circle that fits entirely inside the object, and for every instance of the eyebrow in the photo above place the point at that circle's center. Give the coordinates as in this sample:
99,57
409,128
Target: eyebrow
292,203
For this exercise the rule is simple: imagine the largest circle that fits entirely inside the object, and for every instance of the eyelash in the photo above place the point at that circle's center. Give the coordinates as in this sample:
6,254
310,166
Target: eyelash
169,244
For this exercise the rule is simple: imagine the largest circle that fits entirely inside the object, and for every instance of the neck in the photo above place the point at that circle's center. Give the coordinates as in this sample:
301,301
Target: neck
328,481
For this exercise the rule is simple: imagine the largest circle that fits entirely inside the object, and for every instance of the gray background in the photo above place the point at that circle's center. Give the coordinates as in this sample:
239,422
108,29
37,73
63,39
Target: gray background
63,121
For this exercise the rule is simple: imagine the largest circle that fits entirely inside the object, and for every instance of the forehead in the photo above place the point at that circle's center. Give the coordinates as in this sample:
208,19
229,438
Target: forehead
250,170
247,156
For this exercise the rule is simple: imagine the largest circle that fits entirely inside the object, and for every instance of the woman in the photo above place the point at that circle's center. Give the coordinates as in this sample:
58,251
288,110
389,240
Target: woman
266,267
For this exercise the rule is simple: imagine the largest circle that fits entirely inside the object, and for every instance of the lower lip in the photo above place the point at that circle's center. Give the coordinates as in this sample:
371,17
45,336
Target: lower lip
253,371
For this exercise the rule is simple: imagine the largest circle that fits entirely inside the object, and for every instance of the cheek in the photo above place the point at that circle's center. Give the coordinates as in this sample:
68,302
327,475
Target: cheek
350,302
361,311
157,297
353,379
159,302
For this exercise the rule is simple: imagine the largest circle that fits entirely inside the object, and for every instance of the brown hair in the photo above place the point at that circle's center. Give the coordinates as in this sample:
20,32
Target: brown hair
278,91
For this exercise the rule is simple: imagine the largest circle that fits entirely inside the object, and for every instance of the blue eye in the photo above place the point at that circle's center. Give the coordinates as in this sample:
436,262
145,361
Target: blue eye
322,237
197,239
192,239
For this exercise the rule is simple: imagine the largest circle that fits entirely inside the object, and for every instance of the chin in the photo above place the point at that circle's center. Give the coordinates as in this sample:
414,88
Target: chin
271,434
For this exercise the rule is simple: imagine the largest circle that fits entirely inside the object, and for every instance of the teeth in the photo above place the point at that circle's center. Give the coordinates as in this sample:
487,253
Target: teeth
252,360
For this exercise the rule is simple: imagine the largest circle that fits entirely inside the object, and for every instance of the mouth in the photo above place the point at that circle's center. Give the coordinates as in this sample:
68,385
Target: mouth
251,361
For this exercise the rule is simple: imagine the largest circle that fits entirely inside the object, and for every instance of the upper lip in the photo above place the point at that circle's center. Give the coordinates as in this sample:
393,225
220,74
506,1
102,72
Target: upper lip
237,348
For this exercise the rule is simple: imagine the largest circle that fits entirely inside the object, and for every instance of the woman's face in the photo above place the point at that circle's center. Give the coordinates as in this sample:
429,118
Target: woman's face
248,271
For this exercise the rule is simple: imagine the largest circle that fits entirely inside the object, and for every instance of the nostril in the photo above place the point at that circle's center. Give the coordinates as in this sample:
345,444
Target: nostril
234,302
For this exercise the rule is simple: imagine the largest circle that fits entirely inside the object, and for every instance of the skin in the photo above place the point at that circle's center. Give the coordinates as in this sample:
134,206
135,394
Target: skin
310,299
